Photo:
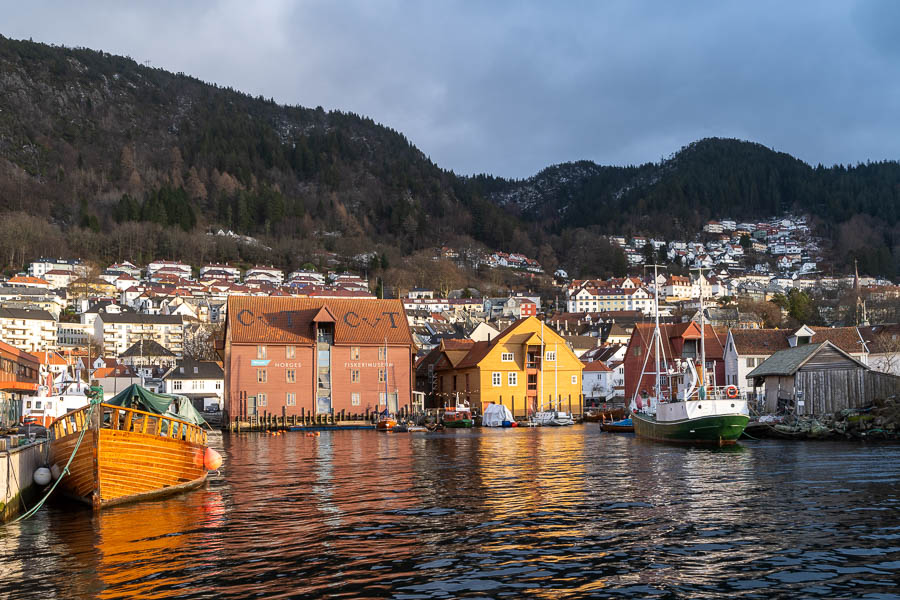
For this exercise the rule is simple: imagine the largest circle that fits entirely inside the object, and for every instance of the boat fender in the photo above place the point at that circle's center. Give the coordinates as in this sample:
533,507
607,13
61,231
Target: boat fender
212,460
55,471
42,476
732,392
318,433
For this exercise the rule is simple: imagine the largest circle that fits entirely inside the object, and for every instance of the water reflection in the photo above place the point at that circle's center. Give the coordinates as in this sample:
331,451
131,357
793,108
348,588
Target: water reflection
548,513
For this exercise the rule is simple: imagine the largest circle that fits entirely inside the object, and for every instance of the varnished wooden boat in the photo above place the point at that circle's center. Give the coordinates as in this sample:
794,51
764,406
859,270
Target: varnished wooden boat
126,454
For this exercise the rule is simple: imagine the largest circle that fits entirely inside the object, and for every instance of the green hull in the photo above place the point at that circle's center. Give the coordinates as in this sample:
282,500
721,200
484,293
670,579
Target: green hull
716,430
459,424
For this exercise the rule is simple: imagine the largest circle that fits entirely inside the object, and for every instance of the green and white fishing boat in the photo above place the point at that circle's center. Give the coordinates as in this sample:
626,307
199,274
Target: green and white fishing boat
691,412
456,419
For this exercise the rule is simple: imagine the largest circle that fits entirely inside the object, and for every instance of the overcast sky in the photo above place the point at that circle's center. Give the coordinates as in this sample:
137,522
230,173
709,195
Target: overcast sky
511,87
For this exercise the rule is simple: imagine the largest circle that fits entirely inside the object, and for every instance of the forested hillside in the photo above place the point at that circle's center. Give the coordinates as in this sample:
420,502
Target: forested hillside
855,207
107,159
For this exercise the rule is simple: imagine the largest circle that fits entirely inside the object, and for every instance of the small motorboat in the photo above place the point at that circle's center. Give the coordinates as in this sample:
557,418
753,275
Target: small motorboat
620,426
458,419
386,424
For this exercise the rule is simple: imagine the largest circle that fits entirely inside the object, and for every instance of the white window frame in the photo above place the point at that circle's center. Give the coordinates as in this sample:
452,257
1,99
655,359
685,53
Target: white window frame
507,356
262,376
512,379
261,351
290,399
261,400
550,356
290,351
496,379
354,399
574,379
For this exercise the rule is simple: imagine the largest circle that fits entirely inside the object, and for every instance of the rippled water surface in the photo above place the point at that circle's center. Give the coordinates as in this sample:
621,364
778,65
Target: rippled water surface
546,513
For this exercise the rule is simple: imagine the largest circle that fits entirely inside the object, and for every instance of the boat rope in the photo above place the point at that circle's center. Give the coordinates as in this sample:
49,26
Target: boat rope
94,403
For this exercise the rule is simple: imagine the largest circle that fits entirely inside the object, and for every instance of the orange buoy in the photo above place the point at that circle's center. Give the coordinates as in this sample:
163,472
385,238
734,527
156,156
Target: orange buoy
212,460
318,433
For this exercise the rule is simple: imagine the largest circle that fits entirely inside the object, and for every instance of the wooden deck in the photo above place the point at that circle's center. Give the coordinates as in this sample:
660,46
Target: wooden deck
127,454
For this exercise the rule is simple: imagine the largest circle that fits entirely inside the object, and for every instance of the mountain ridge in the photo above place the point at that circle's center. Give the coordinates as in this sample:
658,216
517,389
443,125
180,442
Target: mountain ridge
95,145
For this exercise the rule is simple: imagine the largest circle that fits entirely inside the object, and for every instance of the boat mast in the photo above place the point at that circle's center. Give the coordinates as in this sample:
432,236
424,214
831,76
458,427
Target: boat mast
556,374
658,344
543,356
702,340
387,404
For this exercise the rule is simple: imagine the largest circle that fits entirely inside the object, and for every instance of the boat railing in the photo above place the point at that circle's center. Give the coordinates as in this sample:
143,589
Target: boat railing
120,418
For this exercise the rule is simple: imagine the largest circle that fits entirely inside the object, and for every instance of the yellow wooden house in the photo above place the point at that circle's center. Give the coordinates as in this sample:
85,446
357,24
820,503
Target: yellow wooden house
527,368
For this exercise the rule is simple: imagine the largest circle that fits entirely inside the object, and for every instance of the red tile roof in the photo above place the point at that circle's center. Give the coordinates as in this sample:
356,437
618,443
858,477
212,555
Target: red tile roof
253,319
596,366
28,279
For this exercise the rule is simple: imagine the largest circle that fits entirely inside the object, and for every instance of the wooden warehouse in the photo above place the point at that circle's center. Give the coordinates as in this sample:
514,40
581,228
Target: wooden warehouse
316,356
819,379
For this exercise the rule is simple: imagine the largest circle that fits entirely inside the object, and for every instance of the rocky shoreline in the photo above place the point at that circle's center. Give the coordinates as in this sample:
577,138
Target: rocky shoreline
881,421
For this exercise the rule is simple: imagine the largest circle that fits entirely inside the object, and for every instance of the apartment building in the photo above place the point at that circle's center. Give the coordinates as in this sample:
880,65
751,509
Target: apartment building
118,332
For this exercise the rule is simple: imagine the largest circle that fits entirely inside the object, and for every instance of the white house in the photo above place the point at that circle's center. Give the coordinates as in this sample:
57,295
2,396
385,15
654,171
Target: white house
118,332
39,267
596,382
28,330
169,266
201,381
483,333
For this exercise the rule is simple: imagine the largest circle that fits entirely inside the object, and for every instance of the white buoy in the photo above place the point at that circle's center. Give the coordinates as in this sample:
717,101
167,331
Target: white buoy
42,476
55,471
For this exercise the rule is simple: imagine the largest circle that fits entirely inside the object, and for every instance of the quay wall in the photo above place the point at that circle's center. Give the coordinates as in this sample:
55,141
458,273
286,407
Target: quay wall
17,487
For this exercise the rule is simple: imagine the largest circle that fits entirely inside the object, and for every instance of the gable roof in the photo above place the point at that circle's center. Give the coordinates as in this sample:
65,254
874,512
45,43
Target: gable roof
597,366
509,335
767,341
289,319
146,348
184,369
715,339
787,362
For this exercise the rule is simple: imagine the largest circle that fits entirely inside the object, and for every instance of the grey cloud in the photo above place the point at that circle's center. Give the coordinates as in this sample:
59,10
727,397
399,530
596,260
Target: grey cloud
511,87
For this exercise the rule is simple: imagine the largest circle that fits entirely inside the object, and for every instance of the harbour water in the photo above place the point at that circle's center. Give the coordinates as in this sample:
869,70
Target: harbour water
543,513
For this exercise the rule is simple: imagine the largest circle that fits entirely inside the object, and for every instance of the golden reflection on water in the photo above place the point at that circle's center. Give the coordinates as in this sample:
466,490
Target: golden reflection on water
557,513
142,550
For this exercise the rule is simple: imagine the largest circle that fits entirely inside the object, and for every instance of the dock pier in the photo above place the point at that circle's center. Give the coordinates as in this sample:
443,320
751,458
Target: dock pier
17,487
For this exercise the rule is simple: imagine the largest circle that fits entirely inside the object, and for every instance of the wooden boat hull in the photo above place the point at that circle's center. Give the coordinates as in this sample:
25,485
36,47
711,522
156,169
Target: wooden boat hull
118,465
715,430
